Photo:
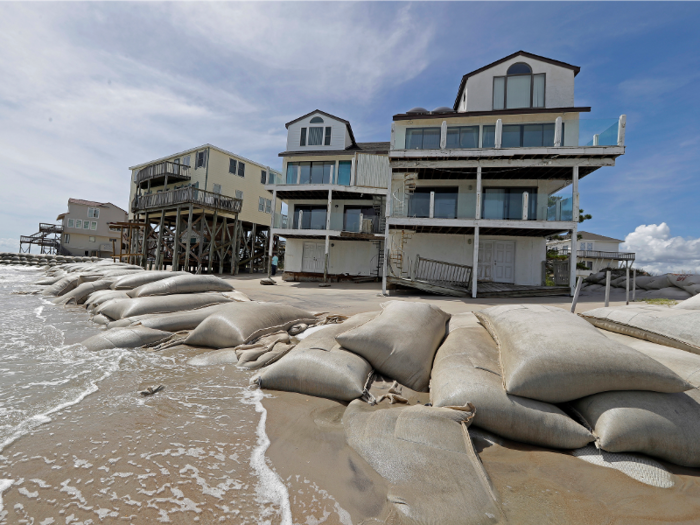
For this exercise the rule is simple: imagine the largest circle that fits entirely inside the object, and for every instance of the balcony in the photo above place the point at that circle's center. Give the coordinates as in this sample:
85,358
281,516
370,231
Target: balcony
342,224
50,228
163,172
596,136
185,196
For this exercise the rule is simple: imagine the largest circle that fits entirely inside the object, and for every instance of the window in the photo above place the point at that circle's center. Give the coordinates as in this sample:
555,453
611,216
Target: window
344,172
302,139
94,213
315,136
310,172
114,229
445,203
354,216
519,88
186,160
263,177
217,188
86,225
327,140
463,137
309,217
241,169
78,223
232,166
527,135
66,238
261,204
507,203
239,194
268,206
71,223
93,225
201,159
488,139
92,239
316,120
423,138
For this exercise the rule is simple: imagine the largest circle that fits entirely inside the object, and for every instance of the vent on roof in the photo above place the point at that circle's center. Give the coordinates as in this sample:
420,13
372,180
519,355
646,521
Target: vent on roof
417,110
443,109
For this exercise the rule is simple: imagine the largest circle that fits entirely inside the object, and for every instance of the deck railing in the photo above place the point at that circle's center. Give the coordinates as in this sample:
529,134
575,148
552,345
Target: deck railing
50,228
174,170
441,272
593,254
189,195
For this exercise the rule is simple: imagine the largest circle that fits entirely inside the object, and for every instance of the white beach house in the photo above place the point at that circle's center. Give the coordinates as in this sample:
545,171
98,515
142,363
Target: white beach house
335,189
483,184
595,251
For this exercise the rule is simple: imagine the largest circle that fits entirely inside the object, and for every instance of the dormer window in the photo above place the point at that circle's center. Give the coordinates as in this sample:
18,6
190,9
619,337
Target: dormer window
317,135
519,88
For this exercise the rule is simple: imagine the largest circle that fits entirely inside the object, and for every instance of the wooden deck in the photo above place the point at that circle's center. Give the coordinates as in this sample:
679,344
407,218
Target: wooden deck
491,289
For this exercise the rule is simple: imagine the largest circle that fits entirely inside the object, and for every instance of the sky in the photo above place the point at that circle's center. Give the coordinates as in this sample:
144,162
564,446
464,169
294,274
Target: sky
89,89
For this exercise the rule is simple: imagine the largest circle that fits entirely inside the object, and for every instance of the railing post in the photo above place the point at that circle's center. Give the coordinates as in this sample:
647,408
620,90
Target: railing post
607,288
499,134
475,261
621,130
443,134
596,139
431,213
558,139
526,199
477,214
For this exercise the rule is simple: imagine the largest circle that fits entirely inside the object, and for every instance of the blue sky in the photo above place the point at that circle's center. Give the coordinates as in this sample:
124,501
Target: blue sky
89,89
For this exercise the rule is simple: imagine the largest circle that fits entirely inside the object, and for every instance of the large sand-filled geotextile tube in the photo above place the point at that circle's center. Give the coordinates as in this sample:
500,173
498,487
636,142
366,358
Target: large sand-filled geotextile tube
240,323
180,284
679,328
426,455
174,321
319,366
100,297
692,303
120,308
401,341
129,282
466,370
665,426
79,294
129,337
548,354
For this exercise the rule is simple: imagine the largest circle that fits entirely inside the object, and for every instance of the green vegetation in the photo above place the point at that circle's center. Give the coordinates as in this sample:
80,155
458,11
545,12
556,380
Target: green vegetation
658,302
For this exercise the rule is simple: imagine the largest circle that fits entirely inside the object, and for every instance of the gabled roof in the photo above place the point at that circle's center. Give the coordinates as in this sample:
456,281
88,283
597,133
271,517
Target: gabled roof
94,204
347,123
575,69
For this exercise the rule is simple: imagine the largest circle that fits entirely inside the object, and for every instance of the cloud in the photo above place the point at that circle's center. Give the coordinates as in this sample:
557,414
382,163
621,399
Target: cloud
658,252
9,245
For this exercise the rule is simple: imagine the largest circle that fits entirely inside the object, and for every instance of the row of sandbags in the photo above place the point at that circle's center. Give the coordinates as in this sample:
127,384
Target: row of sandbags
47,260
668,286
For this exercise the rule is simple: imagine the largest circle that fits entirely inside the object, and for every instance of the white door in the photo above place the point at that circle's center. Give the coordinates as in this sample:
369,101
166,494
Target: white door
504,261
485,270
312,260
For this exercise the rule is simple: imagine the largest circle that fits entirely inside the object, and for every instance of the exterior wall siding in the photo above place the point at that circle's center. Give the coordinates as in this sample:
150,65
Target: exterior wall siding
340,138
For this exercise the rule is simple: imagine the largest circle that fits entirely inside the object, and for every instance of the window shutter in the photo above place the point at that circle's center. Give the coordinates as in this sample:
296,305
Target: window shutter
302,140
261,204
327,141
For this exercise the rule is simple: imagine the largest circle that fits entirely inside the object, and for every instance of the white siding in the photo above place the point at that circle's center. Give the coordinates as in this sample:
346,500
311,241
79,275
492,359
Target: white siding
559,85
340,138
373,171
346,257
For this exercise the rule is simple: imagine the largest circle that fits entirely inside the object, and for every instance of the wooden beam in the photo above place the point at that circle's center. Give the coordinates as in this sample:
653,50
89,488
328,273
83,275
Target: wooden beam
588,151
212,237
189,239
504,163
176,241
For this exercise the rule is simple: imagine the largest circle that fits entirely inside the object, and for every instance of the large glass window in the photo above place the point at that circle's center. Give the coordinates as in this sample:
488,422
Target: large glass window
507,203
327,139
519,88
463,137
309,217
488,139
310,172
315,136
292,171
445,204
344,172
528,136
423,138
355,216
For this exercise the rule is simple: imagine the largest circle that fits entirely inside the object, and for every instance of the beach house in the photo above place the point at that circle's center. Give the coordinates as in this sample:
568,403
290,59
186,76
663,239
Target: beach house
86,229
593,251
476,188
218,196
335,192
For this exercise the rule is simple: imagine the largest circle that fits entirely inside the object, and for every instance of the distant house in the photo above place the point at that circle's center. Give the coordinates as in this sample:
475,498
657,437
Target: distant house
85,227
593,250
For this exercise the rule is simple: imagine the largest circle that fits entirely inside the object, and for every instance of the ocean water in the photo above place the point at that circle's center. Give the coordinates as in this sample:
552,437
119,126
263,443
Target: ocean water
80,445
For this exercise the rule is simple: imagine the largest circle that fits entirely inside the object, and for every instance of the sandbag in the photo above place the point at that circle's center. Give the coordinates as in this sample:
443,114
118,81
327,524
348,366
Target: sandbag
596,278
426,455
679,328
401,341
99,298
665,426
552,355
120,308
318,366
619,282
181,284
131,281
241,323
175,321
689,304
100,319
130,337
63,285
80,293
670,292
655,283
49,280
466,370
685,364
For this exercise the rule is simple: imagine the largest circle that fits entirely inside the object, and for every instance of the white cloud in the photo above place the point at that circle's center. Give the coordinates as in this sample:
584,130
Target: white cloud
9,245
658,252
